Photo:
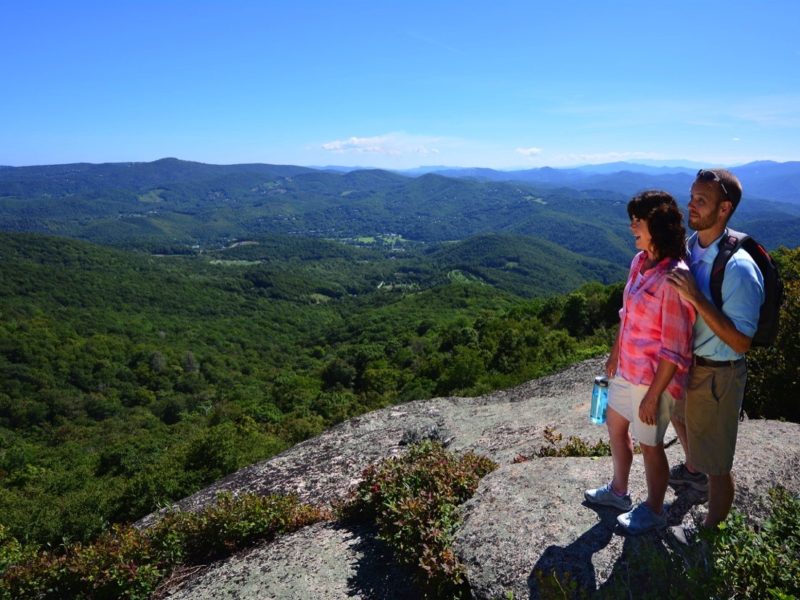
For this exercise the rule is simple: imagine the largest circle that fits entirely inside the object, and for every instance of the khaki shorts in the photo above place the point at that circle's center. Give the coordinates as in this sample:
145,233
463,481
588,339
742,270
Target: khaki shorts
624,397
713,402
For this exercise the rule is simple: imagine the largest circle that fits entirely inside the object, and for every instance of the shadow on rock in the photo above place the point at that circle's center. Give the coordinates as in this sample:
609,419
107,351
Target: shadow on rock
646,569
650,564
685,499
377,575
565,571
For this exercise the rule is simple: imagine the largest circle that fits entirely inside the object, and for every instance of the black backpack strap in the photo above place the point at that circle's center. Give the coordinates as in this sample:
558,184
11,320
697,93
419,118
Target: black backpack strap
731,241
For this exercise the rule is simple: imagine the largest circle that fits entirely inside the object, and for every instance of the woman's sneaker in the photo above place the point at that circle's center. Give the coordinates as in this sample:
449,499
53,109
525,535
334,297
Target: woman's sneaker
605,496
680,476
642,519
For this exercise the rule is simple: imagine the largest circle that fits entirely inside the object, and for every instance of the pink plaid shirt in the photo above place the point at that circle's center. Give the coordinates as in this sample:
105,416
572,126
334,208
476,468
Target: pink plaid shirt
655,323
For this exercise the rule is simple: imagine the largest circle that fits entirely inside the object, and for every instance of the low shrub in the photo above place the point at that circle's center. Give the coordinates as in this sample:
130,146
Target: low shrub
126,562
11,551
414,501
575,446
119,564
759,562
229,525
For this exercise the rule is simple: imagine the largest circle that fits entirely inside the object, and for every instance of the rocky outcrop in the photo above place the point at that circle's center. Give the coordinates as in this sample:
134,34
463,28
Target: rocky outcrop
531,516
525,518
500,425
325,560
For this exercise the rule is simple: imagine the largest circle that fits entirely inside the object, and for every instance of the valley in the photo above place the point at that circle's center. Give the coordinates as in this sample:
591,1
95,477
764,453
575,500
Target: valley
164,324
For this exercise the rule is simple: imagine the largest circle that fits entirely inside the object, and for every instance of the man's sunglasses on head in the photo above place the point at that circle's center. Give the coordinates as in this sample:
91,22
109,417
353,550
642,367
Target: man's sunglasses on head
705,175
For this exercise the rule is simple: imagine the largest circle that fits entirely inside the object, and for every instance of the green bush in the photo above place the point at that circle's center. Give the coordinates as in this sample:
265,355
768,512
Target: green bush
414,501
773,373
126,562
751,562
120,564
231,524
11,551
575,446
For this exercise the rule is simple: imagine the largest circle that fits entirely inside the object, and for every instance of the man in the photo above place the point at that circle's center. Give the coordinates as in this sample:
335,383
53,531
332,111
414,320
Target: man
707,424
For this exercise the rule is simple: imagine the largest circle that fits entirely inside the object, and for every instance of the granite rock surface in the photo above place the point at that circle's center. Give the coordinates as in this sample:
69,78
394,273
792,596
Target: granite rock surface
528,519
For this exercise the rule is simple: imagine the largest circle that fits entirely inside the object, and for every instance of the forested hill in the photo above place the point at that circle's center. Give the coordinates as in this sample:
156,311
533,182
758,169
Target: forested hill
172,206
127,380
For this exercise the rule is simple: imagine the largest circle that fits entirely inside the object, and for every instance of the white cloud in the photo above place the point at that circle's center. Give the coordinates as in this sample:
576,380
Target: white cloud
529,152
370,145
389,144
425,151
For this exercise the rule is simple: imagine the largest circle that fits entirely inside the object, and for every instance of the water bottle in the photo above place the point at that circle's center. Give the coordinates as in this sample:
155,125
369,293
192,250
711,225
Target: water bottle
597,411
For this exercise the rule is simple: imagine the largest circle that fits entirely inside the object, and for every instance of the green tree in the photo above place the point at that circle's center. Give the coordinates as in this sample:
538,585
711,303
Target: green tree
575,317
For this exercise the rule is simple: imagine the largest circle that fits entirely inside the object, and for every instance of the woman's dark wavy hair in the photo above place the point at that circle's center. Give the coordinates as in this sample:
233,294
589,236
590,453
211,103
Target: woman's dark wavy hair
664,221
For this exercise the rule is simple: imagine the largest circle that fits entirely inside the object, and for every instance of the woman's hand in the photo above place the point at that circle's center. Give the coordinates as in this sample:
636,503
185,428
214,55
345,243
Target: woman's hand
648,409
611,365
613,359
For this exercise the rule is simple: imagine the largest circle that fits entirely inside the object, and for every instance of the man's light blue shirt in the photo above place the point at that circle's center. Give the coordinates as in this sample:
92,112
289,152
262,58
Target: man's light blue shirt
742,296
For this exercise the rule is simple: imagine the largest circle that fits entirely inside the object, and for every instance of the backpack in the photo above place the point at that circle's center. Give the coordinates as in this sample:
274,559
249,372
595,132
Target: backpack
773,285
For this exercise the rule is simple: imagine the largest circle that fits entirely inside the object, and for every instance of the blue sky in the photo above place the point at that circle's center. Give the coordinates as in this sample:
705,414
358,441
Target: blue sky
399,84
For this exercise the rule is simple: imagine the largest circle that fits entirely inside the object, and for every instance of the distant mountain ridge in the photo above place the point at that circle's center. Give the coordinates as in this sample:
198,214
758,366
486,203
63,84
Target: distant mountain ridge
763,179
170,203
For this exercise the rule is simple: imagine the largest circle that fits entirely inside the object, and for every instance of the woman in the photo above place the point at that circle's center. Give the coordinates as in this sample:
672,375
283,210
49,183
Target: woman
649,363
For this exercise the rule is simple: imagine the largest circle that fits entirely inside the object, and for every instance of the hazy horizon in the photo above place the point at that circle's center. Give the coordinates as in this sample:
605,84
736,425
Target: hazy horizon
666,164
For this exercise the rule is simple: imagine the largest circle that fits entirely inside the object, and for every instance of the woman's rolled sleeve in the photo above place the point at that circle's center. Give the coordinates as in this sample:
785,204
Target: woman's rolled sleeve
677,320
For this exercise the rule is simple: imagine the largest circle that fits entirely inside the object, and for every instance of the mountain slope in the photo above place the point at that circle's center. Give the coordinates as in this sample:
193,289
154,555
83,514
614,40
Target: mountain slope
208,205
525,265
171,205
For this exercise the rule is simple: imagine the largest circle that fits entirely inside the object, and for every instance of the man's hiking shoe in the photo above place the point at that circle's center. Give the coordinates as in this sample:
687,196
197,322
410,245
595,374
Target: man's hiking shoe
687,535
692,535
680,476
641,520
683,535
606,497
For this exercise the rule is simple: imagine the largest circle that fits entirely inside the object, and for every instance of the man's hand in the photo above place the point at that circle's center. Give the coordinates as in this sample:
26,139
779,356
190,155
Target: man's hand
683,282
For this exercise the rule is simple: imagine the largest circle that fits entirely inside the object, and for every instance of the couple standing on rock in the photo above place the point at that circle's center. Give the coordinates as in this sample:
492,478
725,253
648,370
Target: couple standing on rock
677,357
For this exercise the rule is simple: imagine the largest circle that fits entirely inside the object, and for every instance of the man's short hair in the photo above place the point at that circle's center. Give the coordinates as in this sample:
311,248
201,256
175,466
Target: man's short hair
729,184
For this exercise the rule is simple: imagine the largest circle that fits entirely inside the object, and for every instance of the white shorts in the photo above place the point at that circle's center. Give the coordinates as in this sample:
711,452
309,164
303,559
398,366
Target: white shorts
624,397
